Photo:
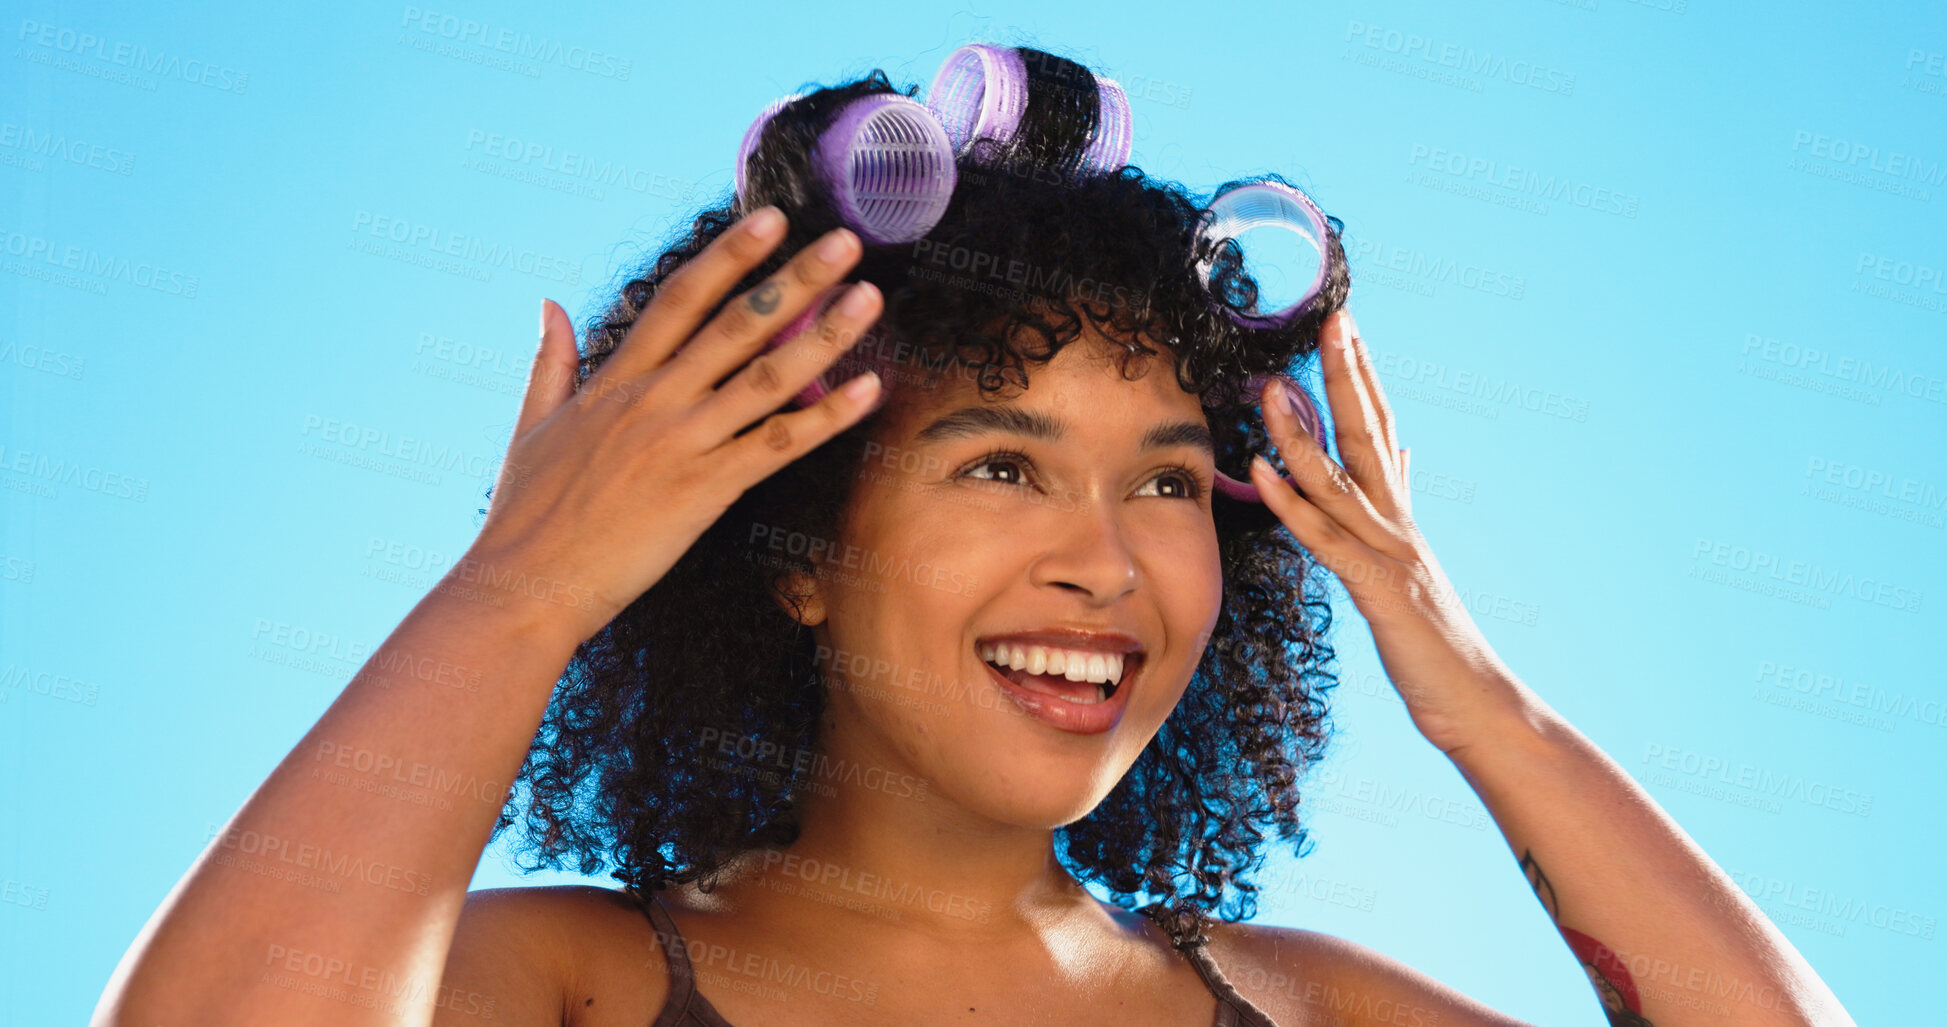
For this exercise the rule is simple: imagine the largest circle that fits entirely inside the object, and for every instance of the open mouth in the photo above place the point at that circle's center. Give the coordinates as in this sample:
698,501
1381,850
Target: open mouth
1079,676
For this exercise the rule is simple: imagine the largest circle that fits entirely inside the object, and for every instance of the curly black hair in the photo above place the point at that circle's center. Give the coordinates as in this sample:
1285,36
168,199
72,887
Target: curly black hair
621,775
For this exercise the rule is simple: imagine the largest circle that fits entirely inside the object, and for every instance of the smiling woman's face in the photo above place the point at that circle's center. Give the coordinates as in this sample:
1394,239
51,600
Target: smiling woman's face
1070,521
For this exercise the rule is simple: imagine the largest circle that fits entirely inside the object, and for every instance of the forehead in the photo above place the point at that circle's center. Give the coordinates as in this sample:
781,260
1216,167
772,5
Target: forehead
1085,382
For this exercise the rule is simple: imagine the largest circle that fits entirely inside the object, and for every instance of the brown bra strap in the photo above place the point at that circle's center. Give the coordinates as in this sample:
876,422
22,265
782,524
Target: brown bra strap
1233,1009
1236,1010
676,954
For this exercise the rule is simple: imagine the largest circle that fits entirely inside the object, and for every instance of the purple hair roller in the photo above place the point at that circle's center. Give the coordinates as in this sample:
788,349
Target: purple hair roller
890,166
756,131
1261,205
982,90
1308,419
886,160
1108,149
979,93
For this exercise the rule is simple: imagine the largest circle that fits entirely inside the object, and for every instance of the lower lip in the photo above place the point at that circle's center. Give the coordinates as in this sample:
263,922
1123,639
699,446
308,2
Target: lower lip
1075,718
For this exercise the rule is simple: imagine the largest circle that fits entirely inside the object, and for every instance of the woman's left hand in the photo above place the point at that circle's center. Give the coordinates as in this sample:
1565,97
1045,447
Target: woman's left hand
1356,521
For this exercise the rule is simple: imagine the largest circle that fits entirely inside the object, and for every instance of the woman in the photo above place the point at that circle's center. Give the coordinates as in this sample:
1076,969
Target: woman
857,696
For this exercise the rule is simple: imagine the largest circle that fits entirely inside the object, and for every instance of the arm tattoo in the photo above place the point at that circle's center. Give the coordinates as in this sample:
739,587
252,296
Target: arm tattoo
1605,969
764,300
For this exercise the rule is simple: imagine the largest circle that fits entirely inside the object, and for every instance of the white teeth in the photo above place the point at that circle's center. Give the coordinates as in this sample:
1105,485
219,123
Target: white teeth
1073,664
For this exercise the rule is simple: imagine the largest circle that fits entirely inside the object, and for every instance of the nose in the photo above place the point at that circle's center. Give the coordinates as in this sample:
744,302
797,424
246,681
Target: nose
1087,555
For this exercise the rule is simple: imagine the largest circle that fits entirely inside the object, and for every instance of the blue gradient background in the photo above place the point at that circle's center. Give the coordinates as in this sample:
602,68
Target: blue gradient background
1676,340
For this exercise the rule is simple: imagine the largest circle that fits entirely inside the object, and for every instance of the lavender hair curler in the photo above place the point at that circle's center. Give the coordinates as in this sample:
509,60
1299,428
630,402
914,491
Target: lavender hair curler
1301,407
890,166
886,160
755,132
1114,137
981,91
1262,205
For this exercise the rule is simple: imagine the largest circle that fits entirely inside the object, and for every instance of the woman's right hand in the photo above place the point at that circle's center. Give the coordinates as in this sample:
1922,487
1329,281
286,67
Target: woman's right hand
605,487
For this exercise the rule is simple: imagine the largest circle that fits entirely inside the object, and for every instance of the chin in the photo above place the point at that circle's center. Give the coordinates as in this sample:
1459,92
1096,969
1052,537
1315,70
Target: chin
1008,766
1039,797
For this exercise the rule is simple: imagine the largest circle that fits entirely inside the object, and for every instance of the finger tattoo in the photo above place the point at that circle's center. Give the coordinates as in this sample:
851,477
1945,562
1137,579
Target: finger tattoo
765,299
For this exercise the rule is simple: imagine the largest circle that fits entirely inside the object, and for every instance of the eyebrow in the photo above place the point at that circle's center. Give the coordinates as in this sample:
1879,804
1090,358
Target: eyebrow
968,422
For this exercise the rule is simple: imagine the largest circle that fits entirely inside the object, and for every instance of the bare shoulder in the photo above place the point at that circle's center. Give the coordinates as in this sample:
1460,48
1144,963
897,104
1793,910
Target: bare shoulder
572,956
1309,977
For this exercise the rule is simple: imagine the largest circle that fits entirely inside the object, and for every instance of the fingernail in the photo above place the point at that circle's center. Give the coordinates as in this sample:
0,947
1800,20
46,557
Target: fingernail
1259,462
1349,332
766,222
834,246
1280,396
544,318
862,386
856,301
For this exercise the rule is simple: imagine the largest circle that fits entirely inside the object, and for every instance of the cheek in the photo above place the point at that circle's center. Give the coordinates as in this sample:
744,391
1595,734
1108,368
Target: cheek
1189,591
899,597
1183,560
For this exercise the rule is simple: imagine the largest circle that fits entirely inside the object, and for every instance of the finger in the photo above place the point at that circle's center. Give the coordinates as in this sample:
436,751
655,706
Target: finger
1355,419
784,437
692,291
1369,374
773,377
1324,483
1371,577
551,380
748,322
1321,534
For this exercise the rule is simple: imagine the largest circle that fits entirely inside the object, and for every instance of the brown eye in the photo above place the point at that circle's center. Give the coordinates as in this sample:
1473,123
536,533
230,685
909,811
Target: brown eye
1001,460
1174,484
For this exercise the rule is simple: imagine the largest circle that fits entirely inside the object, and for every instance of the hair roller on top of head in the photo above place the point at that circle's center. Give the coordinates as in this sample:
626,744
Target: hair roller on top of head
1115,136
979,93
890,165
982,91
886,161
756,132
